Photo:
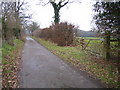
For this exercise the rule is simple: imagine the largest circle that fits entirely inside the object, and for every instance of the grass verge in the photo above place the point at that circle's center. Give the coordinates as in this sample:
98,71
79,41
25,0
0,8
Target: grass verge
10,61
96,67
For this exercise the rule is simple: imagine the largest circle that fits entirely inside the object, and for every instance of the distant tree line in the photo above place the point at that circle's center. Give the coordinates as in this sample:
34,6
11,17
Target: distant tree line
33,26
82,33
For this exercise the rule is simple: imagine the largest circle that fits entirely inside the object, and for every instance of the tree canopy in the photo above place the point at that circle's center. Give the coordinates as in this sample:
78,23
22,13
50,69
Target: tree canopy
107,17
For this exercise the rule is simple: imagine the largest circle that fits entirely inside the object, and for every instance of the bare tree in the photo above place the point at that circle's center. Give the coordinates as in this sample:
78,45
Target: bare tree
8,20
57,5
12,18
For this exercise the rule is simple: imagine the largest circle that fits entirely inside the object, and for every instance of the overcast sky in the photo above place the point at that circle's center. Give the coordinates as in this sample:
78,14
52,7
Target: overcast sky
79,14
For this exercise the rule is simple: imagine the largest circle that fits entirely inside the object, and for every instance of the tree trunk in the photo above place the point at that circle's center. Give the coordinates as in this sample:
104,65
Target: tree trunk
107,44
17,26
118,56
57,16
118,33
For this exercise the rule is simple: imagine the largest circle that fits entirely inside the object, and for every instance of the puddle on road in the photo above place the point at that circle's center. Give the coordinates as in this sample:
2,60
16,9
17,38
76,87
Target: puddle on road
29,38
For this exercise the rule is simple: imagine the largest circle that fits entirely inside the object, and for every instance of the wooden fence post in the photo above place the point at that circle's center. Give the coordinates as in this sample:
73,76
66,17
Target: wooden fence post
107,44
118,56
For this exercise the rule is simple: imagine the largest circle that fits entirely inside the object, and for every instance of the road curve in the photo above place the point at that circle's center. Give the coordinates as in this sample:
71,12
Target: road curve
42,69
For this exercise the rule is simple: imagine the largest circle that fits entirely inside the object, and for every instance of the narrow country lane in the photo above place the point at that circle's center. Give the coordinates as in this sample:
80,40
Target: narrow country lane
42,69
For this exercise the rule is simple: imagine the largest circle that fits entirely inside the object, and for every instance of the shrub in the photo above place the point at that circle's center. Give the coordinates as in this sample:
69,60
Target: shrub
62,34
36,33
47,34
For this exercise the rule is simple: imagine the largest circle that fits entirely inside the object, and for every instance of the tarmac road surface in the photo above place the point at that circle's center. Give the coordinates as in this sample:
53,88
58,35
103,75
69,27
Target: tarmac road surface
42,69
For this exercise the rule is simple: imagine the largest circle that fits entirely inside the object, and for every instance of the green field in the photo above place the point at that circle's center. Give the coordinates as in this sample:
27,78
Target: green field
89,37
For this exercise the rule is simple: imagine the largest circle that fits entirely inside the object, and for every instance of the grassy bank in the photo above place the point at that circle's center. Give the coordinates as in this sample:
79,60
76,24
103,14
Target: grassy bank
10,62
0,61
96,67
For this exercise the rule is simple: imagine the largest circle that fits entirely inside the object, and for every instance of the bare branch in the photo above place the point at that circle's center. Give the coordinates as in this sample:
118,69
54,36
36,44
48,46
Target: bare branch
44,4
65,3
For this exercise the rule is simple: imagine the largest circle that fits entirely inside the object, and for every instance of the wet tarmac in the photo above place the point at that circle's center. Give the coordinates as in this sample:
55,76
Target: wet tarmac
42,69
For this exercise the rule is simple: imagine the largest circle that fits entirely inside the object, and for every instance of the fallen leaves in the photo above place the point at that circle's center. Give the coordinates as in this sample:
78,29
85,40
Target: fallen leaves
11,67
